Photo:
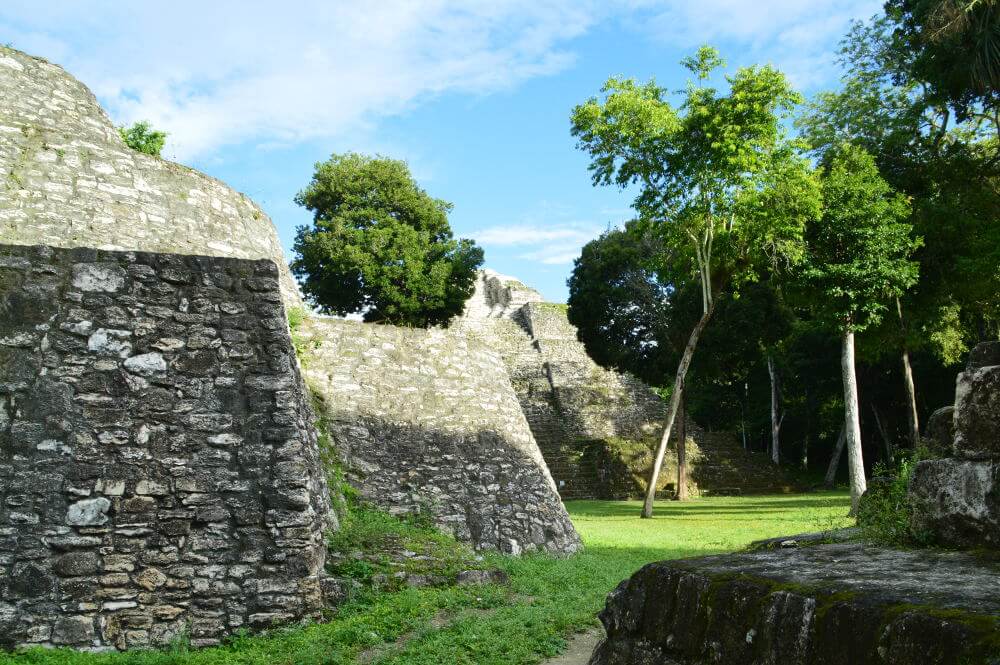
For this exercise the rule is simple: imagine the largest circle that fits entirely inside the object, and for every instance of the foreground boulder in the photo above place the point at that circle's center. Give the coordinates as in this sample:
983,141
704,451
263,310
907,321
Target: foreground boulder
836,604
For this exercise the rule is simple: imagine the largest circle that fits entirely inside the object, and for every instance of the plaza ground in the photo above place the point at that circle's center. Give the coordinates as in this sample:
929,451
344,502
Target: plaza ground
548,600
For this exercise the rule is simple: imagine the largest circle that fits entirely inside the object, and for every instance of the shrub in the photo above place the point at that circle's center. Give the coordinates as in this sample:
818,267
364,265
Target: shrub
884,514
141,137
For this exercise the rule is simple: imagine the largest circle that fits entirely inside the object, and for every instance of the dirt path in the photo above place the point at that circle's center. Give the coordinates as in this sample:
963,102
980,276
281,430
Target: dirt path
581,646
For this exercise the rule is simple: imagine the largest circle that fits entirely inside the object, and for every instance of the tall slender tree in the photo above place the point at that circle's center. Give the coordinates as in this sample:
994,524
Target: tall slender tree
858,262
719,182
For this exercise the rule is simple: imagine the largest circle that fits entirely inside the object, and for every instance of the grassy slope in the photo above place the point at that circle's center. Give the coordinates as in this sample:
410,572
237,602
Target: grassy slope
548,598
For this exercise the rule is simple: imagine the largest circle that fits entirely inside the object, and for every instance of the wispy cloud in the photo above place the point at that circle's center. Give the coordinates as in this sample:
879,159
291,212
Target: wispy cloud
798,37
223,72
551,244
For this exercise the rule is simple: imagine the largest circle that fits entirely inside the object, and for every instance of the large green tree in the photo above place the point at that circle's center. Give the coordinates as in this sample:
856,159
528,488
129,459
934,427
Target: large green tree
718,181
858,262
380,246
946,158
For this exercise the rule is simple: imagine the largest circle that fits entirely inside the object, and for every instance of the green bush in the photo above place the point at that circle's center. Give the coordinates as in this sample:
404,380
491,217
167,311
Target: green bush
885,512
141,137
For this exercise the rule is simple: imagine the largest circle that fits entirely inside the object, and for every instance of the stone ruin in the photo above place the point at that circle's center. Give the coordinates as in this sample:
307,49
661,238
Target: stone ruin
595,427
957,498
160,469
804,600
159,473
426,421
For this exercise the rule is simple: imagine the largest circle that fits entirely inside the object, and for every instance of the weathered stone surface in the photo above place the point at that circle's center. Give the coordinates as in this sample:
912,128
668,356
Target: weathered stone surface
157,457
594,426
70,181
839,604
977,412
939,433
958,501
89,512
427,420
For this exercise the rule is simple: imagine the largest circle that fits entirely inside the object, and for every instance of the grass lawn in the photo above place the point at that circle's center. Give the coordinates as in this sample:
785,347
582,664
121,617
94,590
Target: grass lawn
548,598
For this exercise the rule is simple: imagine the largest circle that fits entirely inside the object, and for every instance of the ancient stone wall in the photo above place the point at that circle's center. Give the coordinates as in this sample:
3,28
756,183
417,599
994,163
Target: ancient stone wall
427,420
159,471
956,500
68,180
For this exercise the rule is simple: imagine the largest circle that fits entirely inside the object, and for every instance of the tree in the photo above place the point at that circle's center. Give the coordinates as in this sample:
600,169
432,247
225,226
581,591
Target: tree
955,46
947,159
719,183
858,262
380,245
143,138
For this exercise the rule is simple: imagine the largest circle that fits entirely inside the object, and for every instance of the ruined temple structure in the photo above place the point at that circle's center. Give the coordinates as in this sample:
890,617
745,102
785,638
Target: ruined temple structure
803,600
160,465
596,427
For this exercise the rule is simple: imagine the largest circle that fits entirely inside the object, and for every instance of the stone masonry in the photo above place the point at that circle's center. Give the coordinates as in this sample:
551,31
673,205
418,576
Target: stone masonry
427,420
68,180
957,499
159,472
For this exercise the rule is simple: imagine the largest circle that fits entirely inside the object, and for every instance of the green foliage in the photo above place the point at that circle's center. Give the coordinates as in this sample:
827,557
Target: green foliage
718,181
141,137
380,246
884,514
954,46
859,251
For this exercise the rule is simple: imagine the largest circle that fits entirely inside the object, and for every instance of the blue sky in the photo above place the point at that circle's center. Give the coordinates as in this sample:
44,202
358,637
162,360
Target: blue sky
475,96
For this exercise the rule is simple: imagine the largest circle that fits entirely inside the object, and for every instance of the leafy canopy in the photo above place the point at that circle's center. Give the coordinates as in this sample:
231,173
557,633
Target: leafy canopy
955,46
718,179
143,138
380,245
859,251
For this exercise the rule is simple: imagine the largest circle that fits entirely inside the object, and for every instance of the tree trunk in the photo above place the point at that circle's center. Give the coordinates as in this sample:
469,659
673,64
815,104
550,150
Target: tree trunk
675,397
838,452
852,422
911,390
804,460
886,443
775,423
682,488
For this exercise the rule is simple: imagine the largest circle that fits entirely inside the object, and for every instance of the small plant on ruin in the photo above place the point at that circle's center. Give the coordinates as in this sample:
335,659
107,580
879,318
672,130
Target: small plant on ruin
380,246
141,137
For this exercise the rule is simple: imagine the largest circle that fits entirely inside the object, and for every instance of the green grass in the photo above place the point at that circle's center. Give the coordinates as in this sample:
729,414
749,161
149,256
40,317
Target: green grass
548,598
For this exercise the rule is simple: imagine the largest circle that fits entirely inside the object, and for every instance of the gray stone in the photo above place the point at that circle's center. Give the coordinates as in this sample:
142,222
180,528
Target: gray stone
110,342
957,501
107,277
840,603
146,364
76,564
77,630
89,512
977,413
939,433
495,576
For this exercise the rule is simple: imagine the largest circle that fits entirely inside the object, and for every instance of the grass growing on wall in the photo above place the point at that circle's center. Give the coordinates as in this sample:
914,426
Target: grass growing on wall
548,598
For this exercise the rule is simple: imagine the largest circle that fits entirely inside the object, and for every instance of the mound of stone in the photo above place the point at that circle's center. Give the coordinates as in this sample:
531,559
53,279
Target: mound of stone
834,604
159,472
68,180
426,421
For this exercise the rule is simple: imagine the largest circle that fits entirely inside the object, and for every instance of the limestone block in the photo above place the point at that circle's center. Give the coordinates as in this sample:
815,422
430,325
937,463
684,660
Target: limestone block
957,500
89,512
977,405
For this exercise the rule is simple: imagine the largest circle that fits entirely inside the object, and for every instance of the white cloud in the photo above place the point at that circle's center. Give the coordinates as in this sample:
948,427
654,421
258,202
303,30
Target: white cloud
279,73
555,244
798,37
217,73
